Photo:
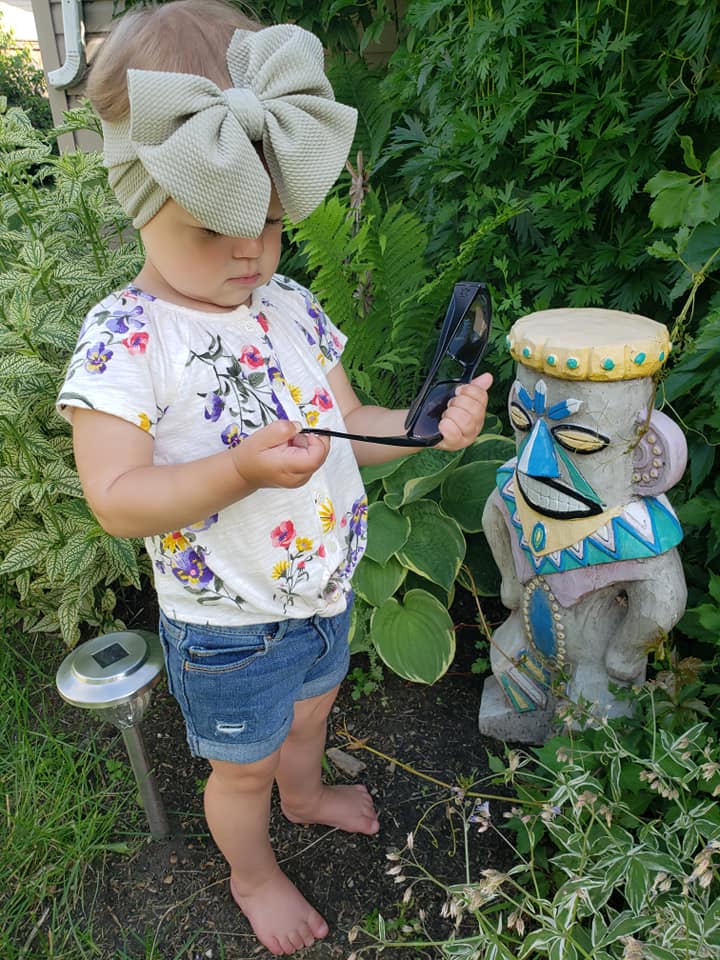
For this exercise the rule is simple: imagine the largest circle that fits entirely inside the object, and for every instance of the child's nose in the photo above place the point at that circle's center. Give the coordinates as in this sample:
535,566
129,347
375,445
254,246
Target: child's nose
245,248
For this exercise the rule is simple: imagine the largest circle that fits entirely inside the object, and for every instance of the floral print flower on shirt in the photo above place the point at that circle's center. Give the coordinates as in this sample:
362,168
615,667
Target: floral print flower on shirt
246,391
355,522
98,356
136,342
326,512
252,357
121,320
292,569
319,333
182,557
103,330
232,435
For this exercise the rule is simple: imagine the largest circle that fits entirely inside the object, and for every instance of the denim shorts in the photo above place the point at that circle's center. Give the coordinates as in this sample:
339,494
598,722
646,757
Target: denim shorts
236,686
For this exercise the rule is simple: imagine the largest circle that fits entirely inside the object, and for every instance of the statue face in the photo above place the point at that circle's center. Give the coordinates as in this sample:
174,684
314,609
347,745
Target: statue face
575,442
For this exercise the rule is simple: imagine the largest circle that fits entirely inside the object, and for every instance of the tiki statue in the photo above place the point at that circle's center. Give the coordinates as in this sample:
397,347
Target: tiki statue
579,525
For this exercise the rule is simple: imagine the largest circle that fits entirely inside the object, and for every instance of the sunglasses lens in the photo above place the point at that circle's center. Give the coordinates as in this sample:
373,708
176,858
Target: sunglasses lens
433,407
461,344
470,340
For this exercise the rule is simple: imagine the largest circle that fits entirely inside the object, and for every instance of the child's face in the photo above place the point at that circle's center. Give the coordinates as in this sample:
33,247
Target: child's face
188,264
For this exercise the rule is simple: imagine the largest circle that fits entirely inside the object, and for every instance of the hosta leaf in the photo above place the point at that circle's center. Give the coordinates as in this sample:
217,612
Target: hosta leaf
419,475
387,532
414,638
436,545
466,490
490,446
376,582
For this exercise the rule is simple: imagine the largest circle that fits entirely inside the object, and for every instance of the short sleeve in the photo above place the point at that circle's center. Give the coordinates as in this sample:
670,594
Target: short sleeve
318,329
109,370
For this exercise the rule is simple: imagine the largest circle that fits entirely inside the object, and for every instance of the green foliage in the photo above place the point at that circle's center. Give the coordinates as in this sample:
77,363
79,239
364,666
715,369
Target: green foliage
63,796
617,844
364,275
685,212
61,247
359,86
424,537
566,107
21,82
367,267
342,25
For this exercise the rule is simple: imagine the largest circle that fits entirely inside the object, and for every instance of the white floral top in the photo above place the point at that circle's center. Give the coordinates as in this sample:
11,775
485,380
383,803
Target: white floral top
201,382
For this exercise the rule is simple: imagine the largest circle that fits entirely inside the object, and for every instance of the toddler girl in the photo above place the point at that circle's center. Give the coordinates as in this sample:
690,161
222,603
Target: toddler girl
187,392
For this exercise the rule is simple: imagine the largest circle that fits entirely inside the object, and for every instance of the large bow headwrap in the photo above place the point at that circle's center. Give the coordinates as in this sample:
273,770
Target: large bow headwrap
187,139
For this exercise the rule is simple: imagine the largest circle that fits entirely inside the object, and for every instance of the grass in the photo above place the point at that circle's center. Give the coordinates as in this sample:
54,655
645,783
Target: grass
63,796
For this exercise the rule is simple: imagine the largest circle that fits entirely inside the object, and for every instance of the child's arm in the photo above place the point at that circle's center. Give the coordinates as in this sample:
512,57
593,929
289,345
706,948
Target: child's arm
132,497
460,424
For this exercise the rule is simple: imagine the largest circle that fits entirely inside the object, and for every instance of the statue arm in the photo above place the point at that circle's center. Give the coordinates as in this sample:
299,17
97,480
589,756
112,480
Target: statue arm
498,538
655,604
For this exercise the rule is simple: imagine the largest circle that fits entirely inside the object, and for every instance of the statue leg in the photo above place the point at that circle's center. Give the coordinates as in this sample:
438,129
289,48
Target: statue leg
517,704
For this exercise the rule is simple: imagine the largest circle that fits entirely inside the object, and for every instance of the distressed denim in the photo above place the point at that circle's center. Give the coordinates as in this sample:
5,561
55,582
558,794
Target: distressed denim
236,686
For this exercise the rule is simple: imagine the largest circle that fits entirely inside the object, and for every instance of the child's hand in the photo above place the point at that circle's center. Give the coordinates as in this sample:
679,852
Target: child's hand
465,414
279,456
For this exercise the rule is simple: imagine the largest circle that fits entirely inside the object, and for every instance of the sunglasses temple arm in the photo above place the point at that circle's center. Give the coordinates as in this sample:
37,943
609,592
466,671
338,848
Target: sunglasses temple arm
389,441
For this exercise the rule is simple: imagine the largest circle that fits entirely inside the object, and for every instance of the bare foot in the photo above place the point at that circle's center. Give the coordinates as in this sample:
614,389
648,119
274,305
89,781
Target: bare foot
281,918
349,808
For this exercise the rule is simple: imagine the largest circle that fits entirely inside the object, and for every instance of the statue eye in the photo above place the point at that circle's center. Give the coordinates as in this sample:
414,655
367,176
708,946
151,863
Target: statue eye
519,418
579,439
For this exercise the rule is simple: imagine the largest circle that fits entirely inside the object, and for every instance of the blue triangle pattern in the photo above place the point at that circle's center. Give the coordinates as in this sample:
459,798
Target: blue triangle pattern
628,541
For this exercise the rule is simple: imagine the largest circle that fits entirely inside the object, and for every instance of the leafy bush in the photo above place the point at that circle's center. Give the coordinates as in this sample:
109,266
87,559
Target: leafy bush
21,82
342,25
686,212
616,845
424,537
567,107
61,245
366,266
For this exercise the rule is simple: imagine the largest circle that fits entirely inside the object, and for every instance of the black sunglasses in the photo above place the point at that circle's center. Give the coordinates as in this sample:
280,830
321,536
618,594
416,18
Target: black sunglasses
462,342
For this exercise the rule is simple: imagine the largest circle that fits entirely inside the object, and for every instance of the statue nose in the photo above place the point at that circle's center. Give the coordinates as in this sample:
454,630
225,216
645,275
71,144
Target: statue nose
538,457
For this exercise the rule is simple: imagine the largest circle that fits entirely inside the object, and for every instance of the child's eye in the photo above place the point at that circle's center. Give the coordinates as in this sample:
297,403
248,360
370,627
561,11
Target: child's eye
273,221
207,232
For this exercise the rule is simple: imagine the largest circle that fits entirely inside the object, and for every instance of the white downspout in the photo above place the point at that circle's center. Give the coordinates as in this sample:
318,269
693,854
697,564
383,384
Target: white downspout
74,30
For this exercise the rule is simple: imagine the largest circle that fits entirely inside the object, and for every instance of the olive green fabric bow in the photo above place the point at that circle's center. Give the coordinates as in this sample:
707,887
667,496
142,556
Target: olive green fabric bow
187,139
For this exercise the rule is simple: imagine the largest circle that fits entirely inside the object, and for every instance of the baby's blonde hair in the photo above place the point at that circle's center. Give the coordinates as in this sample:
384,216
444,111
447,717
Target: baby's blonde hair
183,36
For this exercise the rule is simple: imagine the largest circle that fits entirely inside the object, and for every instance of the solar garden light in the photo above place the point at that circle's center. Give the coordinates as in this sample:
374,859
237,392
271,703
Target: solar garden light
113,675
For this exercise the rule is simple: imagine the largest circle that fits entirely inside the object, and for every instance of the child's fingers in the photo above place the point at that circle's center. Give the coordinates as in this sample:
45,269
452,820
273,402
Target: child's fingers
484,381
465,414
276,434
279,456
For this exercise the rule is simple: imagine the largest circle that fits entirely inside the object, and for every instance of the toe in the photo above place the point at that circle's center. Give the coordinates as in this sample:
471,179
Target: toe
319,927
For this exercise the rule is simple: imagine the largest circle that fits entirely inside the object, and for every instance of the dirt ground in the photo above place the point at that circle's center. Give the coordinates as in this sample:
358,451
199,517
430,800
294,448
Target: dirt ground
174,894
